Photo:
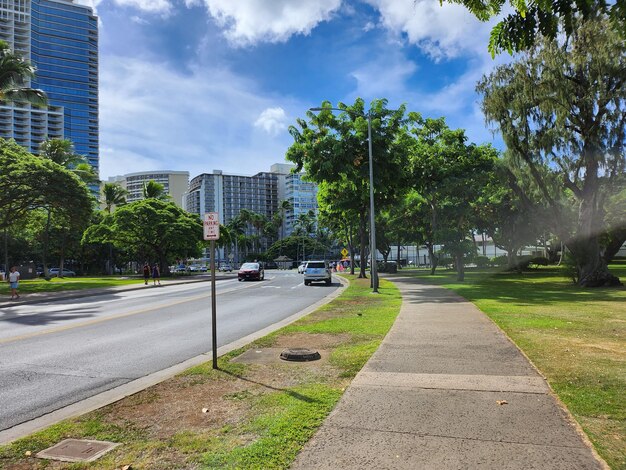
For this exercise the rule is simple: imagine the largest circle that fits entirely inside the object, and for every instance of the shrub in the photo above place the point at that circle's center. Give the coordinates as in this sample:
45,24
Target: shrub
540,261
500,261
482,261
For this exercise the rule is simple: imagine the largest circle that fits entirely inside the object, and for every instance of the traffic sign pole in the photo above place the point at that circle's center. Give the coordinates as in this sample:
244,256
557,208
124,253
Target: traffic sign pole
213,306
211,228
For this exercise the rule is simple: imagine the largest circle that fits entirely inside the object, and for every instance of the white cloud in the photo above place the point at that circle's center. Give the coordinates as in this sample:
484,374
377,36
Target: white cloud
441,30
368,26
384,76
154,118
139,20
272,120
248,22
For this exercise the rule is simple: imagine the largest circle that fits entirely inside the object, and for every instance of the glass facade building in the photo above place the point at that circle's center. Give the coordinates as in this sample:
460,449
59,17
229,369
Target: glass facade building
60,38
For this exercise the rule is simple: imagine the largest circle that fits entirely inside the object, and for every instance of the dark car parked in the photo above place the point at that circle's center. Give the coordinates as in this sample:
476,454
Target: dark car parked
251,272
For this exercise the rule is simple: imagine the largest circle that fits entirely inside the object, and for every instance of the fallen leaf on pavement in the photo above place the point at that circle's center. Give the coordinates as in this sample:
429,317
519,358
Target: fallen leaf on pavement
205,410
502,402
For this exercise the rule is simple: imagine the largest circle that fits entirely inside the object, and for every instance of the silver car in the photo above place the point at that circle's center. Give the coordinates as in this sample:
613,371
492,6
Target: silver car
317,271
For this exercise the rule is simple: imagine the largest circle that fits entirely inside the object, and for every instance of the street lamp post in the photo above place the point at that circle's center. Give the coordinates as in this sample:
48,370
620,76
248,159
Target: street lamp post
374,266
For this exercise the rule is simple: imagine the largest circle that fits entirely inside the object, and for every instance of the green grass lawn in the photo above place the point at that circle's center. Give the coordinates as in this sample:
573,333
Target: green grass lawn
67,283
576,337
283,405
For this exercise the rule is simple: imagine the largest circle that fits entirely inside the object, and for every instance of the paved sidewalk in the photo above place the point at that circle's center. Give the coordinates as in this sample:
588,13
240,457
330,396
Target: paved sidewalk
446,390
40,297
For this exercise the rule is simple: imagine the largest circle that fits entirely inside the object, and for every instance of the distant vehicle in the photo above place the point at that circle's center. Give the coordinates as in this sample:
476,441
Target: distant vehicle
66,272
317,271
203,269
270,265
251,271
181,268
301,268
225,268
194,268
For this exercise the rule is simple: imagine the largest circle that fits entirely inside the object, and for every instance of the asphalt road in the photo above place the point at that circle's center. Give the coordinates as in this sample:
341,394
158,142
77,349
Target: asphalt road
58,353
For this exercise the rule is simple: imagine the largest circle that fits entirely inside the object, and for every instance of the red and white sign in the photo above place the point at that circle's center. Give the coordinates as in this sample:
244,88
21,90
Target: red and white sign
211,226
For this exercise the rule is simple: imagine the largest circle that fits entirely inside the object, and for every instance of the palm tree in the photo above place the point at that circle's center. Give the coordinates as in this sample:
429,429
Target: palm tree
305,225
154,190
284,207
114,195
237,229
15,72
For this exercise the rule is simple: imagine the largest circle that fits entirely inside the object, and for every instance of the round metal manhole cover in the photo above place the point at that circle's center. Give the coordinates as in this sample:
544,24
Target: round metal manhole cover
300,355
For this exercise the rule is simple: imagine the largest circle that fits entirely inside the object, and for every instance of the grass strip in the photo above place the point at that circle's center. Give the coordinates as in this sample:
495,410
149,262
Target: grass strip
259,416
576,337
55,284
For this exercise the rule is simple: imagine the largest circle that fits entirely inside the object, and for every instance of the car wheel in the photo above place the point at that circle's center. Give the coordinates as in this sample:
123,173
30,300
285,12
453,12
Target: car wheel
306,283
240,279
328,281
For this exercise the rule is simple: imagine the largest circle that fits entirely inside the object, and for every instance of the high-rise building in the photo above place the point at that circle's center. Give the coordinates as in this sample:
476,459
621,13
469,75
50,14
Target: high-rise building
60,38
262,193
175,184
229,194
301,194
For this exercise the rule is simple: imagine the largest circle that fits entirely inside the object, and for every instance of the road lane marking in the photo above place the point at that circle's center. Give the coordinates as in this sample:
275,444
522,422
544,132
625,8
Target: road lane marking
95,321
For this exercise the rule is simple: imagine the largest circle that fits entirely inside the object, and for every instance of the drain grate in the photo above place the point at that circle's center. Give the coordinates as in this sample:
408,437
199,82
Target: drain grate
300,355
77,450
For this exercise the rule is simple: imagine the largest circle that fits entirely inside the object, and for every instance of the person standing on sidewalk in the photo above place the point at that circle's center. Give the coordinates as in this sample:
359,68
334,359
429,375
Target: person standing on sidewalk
156,275
14,281
146,272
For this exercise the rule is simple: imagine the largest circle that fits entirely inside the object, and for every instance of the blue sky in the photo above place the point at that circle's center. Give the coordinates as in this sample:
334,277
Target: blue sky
199,85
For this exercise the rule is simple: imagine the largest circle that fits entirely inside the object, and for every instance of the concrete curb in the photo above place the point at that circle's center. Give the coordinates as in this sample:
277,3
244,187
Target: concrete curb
118,393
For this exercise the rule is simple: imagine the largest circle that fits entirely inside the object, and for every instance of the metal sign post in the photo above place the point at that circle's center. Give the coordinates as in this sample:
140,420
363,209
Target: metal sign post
212,232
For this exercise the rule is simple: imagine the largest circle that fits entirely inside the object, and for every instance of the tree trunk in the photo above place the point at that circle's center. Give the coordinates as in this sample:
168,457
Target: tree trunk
613,245
62,260
585,248
433,258
398,256
460,266
363,237
44,251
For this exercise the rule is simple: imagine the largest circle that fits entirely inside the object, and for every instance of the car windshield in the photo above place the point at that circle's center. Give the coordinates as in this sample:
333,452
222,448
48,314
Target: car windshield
250,266
316,264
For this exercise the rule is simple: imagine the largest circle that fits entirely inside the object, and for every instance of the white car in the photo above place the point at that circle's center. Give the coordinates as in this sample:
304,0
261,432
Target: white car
225,267
317,271
301,268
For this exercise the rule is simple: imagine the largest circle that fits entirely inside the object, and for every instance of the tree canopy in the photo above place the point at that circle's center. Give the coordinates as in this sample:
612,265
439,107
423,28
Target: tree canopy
560,109
531,20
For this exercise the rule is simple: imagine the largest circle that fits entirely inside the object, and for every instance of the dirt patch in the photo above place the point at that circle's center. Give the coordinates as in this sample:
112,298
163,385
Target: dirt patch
177,405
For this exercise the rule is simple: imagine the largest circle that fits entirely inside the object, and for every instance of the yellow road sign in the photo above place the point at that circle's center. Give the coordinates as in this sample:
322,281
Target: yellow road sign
344,252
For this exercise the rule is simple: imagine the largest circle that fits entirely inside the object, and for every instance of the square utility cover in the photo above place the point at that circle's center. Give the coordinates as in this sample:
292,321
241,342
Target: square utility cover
77,450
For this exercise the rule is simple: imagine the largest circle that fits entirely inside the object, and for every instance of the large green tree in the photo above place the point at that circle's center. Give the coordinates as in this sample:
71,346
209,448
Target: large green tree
61,151
333,148
29,182
450,175
152,230
560,109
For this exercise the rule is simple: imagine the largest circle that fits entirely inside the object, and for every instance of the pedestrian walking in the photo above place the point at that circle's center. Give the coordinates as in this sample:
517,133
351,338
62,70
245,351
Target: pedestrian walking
146,272
14,281
156,274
